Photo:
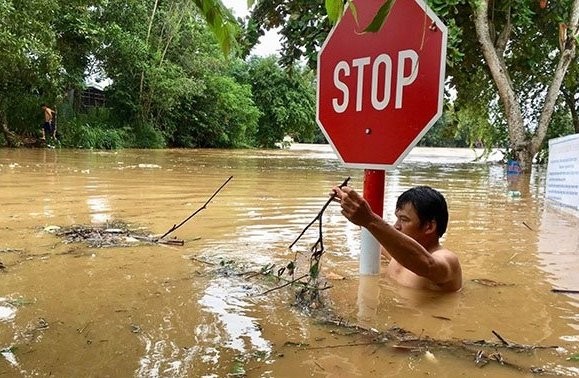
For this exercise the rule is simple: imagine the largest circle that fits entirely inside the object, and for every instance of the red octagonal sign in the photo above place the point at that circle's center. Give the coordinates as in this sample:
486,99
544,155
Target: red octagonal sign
378,93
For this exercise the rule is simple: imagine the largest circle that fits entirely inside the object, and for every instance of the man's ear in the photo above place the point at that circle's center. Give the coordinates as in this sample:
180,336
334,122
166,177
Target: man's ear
430,227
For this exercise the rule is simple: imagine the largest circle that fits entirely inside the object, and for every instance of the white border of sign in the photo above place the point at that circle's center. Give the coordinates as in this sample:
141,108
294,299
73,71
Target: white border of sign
439,111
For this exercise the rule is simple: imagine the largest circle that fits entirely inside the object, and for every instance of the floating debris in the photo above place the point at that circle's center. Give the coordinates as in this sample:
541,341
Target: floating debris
7,311
491,283
149,166
111,234
52,228
429,356
8,354
97,236
11,250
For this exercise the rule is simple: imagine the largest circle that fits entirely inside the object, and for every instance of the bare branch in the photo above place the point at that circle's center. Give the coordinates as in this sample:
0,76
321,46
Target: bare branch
565,59
319,216
503,38
196,211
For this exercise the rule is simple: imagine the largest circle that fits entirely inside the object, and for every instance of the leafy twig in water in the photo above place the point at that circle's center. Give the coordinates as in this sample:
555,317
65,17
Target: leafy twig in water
284,285
196,211
317,252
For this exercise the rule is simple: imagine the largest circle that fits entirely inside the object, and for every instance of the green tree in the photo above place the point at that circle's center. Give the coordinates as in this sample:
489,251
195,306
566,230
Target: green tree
79,36
518,52
303,26
30,65
168,74
508,44
286,100
570,91
224,116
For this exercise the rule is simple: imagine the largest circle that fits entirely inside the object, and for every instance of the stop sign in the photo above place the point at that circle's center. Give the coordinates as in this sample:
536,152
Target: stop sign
378,93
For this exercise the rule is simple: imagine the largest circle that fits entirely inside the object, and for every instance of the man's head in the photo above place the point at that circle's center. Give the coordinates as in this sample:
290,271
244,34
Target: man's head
428,204
43,106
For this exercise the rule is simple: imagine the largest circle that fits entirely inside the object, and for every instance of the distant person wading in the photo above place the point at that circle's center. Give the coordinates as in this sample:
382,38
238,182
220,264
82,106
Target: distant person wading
48,127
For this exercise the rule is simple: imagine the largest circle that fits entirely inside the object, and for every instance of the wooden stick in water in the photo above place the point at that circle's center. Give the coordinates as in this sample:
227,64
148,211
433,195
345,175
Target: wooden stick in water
319,216
196,211
566,291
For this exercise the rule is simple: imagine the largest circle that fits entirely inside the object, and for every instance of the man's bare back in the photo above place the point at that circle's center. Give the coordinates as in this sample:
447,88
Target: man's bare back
48,114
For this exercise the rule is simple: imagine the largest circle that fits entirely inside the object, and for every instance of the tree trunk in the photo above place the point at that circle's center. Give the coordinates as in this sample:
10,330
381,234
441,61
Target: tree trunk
523,147
569,48
11,139
494,59
570,100
147,43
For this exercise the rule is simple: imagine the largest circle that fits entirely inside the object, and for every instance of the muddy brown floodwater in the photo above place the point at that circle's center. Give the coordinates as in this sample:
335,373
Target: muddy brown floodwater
148,310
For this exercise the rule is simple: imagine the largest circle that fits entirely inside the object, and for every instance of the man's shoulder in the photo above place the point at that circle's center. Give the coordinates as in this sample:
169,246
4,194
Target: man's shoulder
450,259
447,255
444,252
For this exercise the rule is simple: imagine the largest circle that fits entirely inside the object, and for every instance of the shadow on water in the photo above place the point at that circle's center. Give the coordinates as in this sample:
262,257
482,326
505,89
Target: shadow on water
179,311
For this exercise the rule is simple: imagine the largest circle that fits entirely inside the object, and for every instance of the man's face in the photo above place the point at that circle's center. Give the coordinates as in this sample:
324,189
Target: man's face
408,223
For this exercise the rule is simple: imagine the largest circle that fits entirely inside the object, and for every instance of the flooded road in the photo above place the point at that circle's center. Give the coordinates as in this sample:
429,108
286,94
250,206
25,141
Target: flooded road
151,310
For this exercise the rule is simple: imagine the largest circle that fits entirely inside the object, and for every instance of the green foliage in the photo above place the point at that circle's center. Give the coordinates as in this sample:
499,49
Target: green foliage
380,17
145,135
30,63
25,115
171,83
286,100
179,85
223,116
443,134
466,126
84,135
303,26
92,131
314,270
334,9
78,33
238,368
573,357
221,22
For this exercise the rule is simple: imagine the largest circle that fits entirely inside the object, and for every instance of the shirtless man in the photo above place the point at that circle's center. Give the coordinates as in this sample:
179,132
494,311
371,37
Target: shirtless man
413,243
48,125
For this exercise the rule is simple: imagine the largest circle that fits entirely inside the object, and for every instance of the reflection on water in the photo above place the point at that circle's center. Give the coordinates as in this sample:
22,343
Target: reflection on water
229,304
99,209
170,311
368,299
558,247
7,310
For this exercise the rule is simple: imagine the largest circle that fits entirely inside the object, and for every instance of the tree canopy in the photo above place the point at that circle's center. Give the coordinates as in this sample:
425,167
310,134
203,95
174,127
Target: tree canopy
512,71
169,82
506,60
